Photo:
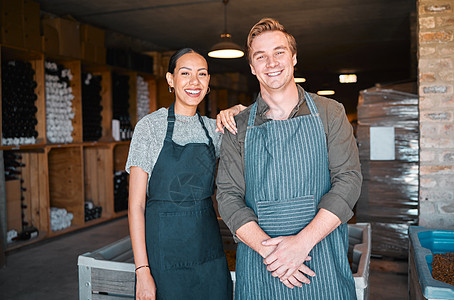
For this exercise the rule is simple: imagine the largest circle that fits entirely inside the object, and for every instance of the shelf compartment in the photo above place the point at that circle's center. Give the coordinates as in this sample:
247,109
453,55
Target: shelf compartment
76,87
106,98
28,195
66,182
120,197
98,178
36,59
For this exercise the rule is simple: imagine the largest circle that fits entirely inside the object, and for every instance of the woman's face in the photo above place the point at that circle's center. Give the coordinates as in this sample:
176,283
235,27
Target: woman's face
190,79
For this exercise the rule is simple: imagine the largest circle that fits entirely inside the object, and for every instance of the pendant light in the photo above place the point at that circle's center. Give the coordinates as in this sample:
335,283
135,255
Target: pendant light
226,48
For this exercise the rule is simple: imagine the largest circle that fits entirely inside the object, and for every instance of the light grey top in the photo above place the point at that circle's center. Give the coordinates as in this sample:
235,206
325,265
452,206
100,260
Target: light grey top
150,132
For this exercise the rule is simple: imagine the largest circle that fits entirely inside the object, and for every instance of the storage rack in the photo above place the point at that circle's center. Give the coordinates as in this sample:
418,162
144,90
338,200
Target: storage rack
65,175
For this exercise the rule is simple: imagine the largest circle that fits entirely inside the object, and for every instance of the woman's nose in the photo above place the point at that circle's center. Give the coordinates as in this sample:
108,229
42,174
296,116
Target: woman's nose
194,79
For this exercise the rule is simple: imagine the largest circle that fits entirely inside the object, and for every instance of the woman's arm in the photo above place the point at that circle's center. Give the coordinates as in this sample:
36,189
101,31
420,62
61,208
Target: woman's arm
145,288
226,118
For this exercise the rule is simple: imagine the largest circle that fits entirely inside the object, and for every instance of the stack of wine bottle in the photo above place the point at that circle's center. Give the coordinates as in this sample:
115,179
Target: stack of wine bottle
120,103
143,98
91,211
59,113
91,107
60,218
18,103
121,191
13,165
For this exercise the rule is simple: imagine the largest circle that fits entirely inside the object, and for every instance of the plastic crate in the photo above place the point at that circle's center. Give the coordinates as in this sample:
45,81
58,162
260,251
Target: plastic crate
424,242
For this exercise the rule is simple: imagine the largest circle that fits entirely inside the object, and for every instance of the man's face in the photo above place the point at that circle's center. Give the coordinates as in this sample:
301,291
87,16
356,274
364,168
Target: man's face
272,60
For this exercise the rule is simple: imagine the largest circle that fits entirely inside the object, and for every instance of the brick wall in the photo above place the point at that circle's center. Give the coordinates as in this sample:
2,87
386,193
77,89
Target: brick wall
436,105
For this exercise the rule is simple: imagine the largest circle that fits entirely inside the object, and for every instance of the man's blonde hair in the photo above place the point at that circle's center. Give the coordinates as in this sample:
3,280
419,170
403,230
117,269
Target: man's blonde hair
268,24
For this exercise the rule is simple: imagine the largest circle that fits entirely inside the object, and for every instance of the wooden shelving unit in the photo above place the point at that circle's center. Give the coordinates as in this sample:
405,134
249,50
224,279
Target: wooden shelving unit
66,175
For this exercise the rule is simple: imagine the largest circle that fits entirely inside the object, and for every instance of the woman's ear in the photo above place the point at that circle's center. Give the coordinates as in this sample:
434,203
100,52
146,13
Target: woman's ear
169,77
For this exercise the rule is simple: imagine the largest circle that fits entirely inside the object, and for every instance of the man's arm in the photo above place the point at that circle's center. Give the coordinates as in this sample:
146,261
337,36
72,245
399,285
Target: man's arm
344,165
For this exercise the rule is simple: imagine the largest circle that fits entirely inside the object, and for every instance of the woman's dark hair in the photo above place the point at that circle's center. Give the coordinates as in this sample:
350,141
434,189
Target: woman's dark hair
178,54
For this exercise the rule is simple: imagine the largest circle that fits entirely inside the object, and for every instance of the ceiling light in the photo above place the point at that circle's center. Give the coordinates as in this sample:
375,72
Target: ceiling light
300,79
325,92
347,78
226,48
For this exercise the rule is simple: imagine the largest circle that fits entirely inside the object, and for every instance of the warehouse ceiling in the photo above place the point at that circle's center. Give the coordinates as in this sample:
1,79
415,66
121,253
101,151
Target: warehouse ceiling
373,38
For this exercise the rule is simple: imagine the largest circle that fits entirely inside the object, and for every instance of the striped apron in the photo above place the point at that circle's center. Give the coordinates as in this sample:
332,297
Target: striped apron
287,173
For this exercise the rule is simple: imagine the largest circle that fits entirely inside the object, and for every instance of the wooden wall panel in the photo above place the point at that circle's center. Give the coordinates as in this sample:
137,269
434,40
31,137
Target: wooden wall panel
66,185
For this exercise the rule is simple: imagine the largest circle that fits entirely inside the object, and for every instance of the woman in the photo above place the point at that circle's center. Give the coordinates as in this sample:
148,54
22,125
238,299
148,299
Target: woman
175,236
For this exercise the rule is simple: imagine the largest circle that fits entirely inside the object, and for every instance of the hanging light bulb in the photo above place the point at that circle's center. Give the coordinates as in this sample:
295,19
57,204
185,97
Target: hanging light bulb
226,48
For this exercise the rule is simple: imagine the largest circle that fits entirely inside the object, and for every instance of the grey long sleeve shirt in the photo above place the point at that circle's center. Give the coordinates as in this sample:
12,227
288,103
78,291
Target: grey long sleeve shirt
344,166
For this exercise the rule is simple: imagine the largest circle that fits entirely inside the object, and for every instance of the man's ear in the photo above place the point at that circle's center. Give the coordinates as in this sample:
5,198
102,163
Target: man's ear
294,59
252,70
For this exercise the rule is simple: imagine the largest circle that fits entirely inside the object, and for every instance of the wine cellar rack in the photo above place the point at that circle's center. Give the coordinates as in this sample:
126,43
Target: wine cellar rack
68,175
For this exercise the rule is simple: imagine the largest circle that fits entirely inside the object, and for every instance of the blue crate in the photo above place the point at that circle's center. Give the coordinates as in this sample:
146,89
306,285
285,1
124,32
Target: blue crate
425,242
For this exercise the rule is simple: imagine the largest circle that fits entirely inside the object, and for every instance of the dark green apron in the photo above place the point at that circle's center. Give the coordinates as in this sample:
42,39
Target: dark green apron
182,235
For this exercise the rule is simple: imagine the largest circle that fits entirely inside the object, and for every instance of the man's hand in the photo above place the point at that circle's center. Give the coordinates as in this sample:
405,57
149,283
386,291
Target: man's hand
287,260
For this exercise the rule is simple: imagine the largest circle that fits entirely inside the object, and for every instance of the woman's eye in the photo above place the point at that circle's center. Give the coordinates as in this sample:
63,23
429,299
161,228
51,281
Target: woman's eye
184,73
203,74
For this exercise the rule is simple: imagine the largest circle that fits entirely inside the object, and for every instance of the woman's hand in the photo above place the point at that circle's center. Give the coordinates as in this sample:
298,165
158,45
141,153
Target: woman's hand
145,287
226,119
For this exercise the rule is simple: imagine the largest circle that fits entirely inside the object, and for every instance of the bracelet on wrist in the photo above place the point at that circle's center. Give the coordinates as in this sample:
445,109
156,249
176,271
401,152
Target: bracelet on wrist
143,266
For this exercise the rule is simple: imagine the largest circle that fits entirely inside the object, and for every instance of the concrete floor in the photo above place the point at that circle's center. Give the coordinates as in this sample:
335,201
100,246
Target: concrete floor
48,270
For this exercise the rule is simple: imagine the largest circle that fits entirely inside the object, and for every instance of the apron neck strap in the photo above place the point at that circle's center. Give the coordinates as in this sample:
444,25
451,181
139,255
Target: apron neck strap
171,124
204,128
311,104
252,114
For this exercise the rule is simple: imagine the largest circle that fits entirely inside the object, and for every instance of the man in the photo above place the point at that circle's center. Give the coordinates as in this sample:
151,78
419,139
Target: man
288,181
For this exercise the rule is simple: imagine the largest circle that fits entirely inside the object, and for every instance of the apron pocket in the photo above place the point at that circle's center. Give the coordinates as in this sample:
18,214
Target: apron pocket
286,217
189,238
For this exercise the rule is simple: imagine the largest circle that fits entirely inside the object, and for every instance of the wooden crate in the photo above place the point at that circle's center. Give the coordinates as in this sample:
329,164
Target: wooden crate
32,192
108,273
76,86
37,61
64,175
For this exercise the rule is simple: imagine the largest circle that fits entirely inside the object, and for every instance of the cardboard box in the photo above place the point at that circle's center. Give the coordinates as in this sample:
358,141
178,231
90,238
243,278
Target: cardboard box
12,35
31,16
10,12
68,36
91,34
50,43
32,23
33,41
11,27
88,51
100,55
